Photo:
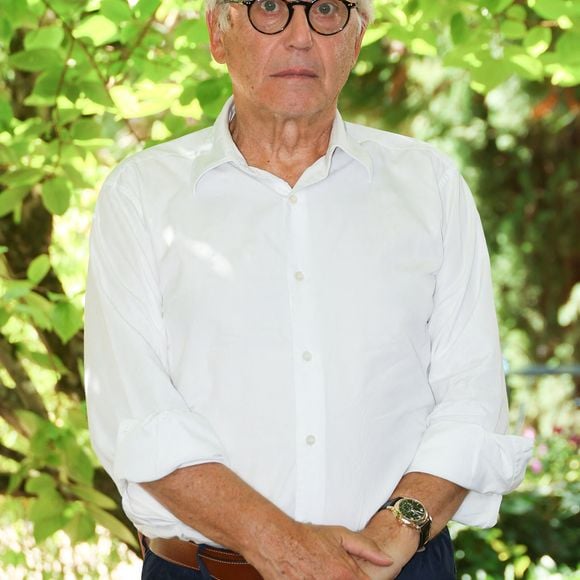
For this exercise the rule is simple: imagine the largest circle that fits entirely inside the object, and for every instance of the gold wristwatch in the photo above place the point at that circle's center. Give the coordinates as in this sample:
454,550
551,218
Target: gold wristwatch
411,512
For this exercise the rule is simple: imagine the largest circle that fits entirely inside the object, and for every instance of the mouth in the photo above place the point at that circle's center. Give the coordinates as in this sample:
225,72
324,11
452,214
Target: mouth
296,73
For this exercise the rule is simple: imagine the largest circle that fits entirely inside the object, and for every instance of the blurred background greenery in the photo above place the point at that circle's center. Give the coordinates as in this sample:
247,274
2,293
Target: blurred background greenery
84,83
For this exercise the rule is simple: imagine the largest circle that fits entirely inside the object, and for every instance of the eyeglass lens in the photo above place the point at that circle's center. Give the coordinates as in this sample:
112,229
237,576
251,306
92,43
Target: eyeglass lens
324,16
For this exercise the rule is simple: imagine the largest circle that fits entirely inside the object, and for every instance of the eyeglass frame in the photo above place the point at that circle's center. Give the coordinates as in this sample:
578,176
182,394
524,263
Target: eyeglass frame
291,5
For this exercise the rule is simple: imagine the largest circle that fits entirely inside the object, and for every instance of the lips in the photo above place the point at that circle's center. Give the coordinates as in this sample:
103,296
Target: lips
295,72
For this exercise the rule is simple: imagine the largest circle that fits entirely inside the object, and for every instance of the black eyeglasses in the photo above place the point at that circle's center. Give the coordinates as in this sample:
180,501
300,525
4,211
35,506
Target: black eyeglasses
326,17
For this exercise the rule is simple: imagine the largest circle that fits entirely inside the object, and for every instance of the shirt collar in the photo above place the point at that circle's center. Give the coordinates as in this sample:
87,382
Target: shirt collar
224,150
340,138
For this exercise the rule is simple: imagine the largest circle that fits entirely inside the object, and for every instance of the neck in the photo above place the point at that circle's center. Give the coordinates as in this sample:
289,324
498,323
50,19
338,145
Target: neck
282,145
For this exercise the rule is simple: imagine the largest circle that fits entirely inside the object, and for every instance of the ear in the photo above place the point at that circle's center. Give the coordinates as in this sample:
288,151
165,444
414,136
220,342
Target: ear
216,44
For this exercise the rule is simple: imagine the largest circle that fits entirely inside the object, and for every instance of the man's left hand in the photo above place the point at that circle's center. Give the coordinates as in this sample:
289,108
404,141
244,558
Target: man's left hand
398,541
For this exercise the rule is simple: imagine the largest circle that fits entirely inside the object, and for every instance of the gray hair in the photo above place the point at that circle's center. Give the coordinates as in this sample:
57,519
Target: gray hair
365,12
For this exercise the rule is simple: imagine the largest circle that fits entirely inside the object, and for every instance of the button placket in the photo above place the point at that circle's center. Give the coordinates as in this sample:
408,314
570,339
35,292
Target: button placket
308,372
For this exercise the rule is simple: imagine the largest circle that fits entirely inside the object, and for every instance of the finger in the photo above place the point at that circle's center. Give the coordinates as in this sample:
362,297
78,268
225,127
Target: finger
361,547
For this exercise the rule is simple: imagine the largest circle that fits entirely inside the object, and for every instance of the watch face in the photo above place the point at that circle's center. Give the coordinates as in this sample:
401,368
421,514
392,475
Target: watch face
412,510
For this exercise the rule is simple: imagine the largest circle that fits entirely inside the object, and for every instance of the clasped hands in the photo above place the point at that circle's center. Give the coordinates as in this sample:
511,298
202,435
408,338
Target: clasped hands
314,552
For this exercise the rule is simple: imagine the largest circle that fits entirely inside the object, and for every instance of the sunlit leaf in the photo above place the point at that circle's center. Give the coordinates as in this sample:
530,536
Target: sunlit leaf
67,320
38,268
44,37
538,40
99,29
56,195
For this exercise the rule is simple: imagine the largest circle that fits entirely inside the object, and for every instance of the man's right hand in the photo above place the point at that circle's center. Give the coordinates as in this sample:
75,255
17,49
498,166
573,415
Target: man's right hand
312,552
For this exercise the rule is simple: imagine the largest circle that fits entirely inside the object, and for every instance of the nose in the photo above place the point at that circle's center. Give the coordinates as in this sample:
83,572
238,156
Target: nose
299,33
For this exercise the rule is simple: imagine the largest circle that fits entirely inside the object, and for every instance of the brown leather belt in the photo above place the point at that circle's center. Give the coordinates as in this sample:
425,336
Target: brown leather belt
220,563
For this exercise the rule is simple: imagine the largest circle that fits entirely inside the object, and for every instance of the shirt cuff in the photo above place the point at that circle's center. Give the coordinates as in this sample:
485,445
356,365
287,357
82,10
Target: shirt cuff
487,464
154,447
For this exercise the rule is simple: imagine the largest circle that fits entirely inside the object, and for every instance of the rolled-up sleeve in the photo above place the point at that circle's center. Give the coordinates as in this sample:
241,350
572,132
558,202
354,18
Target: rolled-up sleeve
141,427
466,438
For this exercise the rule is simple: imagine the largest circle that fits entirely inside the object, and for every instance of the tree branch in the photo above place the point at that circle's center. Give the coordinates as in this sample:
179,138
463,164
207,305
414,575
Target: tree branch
25,390
11,453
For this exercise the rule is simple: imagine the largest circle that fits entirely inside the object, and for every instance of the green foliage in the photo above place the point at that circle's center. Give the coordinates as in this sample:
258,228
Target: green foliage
84,83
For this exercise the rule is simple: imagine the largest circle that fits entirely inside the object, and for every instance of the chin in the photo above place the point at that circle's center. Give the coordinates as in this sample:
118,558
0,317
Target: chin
299,106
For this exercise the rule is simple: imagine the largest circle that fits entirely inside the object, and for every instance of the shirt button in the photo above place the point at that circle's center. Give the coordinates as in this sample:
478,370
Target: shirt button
310,440
307,356
299,276
293,199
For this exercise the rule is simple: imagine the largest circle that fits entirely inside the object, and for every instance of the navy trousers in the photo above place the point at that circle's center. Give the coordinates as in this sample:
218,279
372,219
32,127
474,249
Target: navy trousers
436,562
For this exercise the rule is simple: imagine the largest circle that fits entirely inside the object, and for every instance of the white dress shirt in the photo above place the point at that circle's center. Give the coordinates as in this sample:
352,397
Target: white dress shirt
321,340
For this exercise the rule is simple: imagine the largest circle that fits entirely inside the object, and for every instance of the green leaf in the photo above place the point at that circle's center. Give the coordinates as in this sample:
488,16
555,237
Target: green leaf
99,29
40,484
112,524
56,195
516,12
4,316
43,445
423,47
95,91
46,86
513,29
374,34
568,48
459,28
38,268
6,113
91,495
538,40
15,289
497,6
554,9
39,309
11,199
146,8
116,10
6,31
44,37
86,129
15,481
563,75
47,515
67,320
80,528
77,462
20,177
68,7
144,100
527,66
36,59
31,421
210,94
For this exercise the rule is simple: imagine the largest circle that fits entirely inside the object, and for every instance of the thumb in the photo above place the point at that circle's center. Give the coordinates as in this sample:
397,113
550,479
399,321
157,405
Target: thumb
365,548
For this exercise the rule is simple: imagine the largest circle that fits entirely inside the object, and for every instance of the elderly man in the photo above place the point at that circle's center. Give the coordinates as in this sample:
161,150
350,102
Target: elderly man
293,368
